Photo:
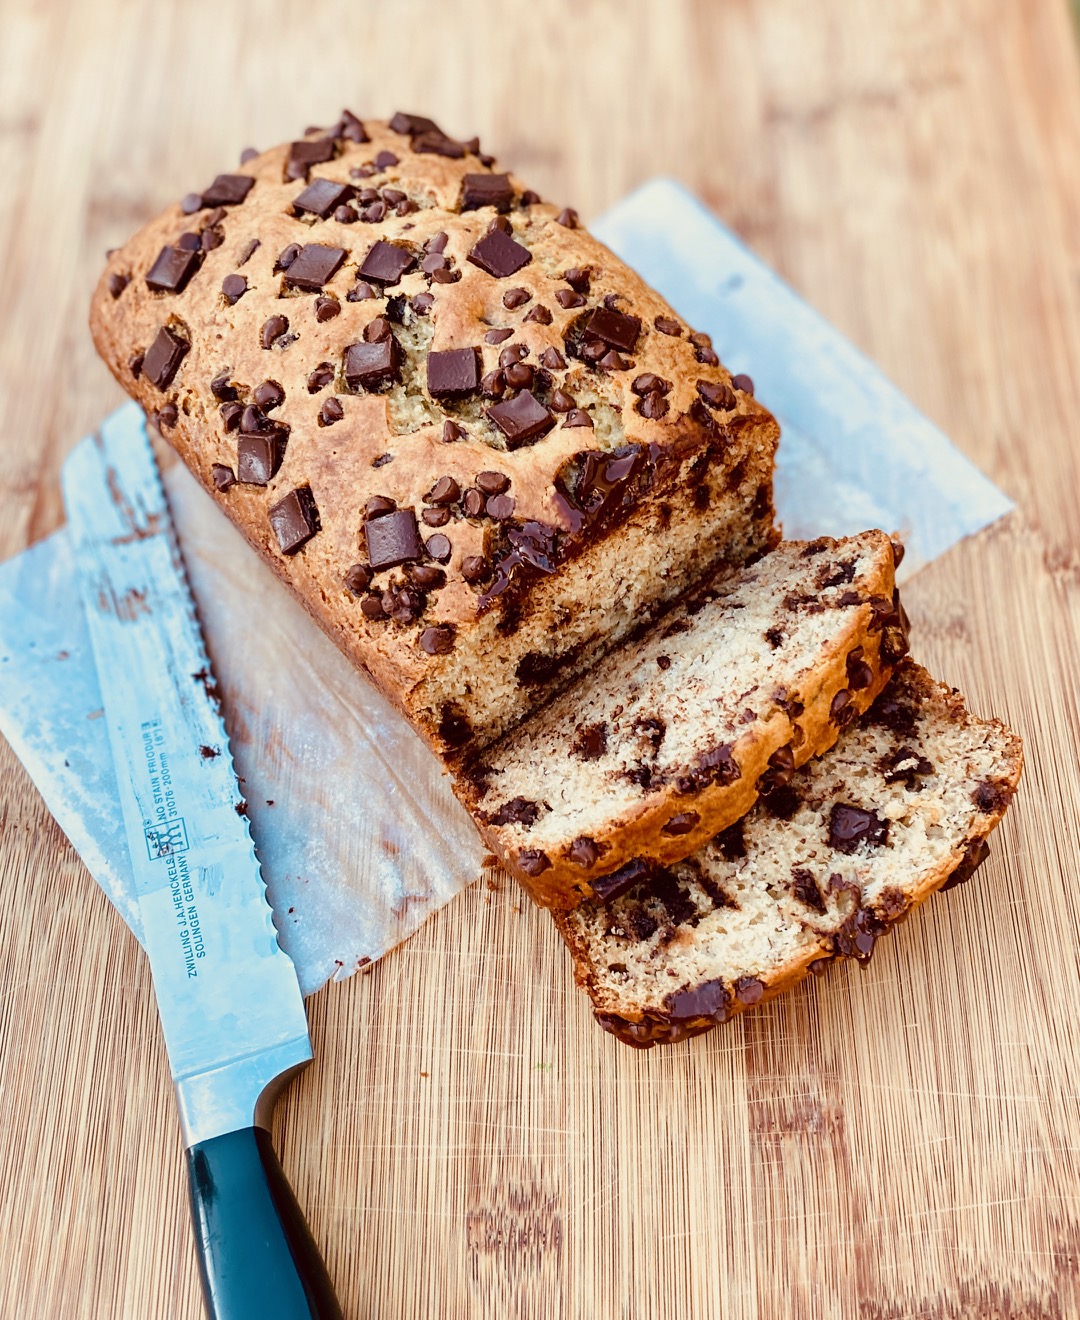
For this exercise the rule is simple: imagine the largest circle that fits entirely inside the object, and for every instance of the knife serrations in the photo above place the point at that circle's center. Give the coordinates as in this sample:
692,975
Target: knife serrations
229,1001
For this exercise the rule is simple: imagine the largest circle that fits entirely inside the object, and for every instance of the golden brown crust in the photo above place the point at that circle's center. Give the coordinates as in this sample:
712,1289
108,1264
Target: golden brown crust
687,442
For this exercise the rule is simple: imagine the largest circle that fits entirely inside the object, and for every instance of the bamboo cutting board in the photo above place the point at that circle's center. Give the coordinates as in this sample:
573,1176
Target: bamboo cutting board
903,1142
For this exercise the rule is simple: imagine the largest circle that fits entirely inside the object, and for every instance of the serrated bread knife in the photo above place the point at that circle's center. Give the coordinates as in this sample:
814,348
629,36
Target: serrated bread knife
230,1004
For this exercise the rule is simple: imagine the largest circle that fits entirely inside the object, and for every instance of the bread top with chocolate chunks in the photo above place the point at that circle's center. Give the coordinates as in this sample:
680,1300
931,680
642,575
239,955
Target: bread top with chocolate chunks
414,385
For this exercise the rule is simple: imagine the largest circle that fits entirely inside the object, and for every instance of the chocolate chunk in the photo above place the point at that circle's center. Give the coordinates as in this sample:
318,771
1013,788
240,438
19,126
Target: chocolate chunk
295,519
567,217
172,269
257,458
474,568
499,255
118,283
518,811
805,888
223,476
438,547
615,328
233,287
493,385
590,741
650,383
500,507
522,419
512,354
331,411
492,483
533,862
709,1000
683,823
367,366
453,373
348,126
584,852
302,155
438,144
228,190
607,888
514,298
540,315
849,826
322,196
748,990
438,640
561,402
372,608
529,197
248,252
487,190
386,263
162,359
268,395
743,383
272,329
393,539
313,266
413,125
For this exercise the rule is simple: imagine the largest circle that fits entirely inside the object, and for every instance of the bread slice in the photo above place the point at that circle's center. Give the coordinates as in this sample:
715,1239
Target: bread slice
478,447
671,738
899,808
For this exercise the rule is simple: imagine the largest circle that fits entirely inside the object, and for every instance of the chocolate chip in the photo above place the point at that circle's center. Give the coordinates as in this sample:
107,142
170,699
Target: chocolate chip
385,160
167,417
683,823
743,383
615,328
474,568
782,802
519,376
584,852
257,459
445,491
991,797
372,607
492,483
331,411
487,190
234,287
451,432
172,269
393,539
493,385
500,507
348,126
748,990
231,413
841,711
249,250
422,303
977,851
367,366
473,503
497,336
655,406
223,476
667,325
717,395
377,329
438,547
162,359
567,217
286,257
268,395
552,359
578,277
358,579
567,298
248,153
228,190
272,329
533,862
529,198
540,315
561,401
438,640
850,826
453,373
191,203
859,673
302,155
386,263
522,419
716,766
210,239
118,283
427,576
499,255
578,417
326,308
313,266
612,361
378,505
590,741
514,298
512,354
435,517
295,519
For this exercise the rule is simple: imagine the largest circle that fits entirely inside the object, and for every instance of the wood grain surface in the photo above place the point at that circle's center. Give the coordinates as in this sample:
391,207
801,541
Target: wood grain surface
900,1142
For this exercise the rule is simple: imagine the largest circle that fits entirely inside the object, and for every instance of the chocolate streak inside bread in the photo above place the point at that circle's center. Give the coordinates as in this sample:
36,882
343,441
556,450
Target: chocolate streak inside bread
671,738
899,808
475,444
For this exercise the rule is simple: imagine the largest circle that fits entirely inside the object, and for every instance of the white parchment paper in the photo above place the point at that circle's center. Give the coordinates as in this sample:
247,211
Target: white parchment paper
359,835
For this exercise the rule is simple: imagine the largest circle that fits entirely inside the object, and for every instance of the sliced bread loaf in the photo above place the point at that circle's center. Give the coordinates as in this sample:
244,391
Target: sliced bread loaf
900,807
670,739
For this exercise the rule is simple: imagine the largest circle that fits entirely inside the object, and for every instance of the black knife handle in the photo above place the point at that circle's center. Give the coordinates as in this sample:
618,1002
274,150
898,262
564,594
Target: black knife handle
257,1257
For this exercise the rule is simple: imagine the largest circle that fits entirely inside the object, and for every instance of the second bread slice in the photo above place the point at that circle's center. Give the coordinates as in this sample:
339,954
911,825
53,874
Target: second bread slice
671,739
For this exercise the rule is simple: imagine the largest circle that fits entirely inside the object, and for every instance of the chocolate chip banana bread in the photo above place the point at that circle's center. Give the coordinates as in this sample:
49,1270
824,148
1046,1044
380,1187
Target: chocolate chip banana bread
899,808
672,737
478,447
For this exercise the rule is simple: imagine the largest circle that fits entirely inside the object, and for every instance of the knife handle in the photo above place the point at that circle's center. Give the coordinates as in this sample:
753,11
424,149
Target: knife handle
257,1257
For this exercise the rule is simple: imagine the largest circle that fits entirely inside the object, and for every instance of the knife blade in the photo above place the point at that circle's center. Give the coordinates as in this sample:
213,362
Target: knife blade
230,1005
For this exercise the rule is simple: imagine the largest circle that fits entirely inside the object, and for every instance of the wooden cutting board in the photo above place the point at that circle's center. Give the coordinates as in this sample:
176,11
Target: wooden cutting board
900,1142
